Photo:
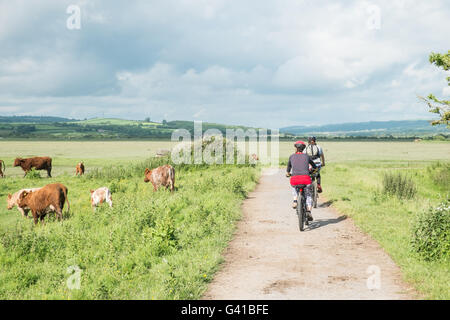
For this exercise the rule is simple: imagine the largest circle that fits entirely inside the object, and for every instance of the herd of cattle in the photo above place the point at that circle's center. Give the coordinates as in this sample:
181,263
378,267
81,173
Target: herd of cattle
52,197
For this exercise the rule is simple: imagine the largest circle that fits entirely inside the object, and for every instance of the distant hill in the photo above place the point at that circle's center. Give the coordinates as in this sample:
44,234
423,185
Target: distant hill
406,128
58,128
33,119
55,128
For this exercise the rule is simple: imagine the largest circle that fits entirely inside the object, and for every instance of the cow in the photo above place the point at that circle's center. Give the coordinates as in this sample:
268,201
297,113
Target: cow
39,163
50,198
254,157
99,196
79,169
161,176
2,172
13,200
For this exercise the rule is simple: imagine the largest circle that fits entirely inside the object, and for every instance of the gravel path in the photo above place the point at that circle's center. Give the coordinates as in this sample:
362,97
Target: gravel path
269,258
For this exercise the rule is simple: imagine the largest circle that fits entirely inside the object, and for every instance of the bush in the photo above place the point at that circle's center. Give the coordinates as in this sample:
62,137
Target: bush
399,185
431,233
238,187
33,174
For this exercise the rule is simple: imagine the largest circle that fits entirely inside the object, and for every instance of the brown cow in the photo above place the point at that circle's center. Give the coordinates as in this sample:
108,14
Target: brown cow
161,176
79,169
39,163
47,199
2,163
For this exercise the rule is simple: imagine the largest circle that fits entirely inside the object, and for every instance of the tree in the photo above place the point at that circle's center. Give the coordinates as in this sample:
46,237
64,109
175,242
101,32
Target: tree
164,122
147,119
440,107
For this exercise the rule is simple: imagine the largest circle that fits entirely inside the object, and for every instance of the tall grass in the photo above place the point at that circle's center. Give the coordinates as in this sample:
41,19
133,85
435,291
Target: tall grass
399,185
440,174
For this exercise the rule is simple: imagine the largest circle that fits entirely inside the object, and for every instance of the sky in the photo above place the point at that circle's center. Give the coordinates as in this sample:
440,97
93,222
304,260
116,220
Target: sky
271,63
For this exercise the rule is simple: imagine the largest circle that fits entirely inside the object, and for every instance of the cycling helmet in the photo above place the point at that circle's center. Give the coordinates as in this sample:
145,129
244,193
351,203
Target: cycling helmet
312,138
298,143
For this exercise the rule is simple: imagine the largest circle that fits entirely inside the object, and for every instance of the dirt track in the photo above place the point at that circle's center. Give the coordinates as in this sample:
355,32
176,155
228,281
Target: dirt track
269,258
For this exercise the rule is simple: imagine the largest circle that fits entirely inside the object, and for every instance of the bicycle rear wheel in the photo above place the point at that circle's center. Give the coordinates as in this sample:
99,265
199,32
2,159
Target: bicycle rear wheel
315,195
301,212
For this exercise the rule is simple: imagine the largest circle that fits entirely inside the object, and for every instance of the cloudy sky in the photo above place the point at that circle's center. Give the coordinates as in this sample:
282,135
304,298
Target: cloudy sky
261,63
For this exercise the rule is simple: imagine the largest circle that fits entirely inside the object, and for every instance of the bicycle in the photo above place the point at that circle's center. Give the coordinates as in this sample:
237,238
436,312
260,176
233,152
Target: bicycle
315,194
301,206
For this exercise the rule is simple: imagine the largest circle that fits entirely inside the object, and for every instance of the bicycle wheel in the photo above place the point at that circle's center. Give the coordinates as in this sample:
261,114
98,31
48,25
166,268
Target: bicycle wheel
301,213
315,195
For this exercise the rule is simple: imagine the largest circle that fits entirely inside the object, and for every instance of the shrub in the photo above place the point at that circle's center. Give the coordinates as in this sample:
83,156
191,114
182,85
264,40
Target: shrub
431,233
399,185
238,187
33,174
163,236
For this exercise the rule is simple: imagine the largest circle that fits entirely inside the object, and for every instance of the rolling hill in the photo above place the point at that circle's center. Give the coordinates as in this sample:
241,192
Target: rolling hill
58,128
406,128
55,128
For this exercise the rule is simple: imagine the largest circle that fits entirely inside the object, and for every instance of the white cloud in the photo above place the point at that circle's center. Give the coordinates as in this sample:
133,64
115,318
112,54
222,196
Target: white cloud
259,63
446,91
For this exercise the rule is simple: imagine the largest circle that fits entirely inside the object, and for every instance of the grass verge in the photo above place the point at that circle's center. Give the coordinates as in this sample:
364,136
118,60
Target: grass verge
356,190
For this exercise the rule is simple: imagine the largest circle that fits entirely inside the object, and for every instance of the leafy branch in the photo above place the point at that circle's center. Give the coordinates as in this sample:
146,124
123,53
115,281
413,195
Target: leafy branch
438,106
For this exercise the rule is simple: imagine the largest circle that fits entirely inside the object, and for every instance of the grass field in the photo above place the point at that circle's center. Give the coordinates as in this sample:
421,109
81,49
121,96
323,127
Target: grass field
167,246
66,154
150,245
115,121
352,181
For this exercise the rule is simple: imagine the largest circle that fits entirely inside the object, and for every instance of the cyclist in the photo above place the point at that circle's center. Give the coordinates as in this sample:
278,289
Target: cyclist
316,153
299,164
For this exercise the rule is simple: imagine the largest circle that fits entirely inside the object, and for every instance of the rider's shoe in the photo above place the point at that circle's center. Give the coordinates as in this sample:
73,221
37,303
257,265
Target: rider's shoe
309,216
294,205
319,188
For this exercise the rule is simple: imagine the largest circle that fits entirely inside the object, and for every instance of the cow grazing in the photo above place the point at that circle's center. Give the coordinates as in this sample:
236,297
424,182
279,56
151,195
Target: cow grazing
99,196
13,200
79,169
161,176
2,172
50,198
39,163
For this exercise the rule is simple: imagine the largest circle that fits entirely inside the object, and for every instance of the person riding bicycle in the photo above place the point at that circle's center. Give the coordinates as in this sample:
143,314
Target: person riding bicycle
299,163
316,154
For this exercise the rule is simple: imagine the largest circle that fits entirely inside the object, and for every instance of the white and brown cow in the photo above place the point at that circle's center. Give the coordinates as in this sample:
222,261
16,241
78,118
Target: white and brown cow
99,196
161,176
13,200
